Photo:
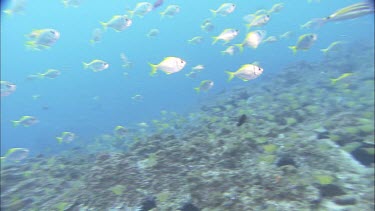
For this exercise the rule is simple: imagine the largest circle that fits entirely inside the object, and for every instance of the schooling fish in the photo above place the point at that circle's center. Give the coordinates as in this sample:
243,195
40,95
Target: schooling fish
241,120
158,3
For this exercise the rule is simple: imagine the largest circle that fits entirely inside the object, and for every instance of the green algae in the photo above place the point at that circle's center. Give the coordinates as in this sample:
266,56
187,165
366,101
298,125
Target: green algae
369,150
163,197
334,137
367,128
61,206
352,130
267,158
350,147
117,189
324,179
290,121
261,140
269,148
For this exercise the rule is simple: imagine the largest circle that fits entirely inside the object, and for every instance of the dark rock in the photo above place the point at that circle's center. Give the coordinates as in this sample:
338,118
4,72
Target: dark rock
345,200
330,190
189,207
148,204
286,161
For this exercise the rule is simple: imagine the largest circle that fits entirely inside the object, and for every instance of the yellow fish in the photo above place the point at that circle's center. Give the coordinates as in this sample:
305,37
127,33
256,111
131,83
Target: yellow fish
169,65
334,80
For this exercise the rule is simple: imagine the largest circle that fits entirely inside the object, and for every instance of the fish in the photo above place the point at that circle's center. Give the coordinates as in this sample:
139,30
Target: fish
204,86
170,11
26,121
224,9
276,8
153,33
66,137
16,154
241,120
246,72
120,131
207,25
286,35
230,50
126,63
252,39
50,73
227,35
96,65
118,23
169,65
137,98
157,4
259,20
304,42
42,39
7,88
198,67
331,47
141,9
270,39
96,36
195,40
72,3
17,7
335,80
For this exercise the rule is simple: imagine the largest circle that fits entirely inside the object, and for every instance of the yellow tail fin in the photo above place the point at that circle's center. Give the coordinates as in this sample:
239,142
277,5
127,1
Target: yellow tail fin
293,48
230,75
197,89
154,68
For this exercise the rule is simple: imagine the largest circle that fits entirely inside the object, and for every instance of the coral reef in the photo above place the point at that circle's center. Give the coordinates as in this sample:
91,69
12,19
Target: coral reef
307,144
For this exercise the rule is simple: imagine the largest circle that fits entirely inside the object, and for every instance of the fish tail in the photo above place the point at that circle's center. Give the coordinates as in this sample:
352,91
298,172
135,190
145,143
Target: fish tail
15,123
154,68
215,40
40,75
131,13
213,12
248,26
92,42
30,45
230,75
333,81
59,140
8,12
240,46
197,89
293,48
325,50
85,65
104,25
162,15
2,159
223,52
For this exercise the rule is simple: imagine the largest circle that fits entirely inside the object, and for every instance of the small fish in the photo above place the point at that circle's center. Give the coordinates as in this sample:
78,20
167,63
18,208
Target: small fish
142,124
227,35
246,72
270,39
157,3
72,3
96,36
307,25
170,11
169,65
332,47
204,86
259,20
66,137
192,74
42,39
224,9
230,50
276,8
118,23
126,63
335,80
120,131
26,121
17,7
138,98
15,154
241,120
141,9
153,33
252,39
304,42
96,65
7,88
195,40
286,35
198,67
207,26
50,73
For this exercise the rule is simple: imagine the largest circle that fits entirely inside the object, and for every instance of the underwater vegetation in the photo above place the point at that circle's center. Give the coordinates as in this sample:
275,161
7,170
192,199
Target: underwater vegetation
294,142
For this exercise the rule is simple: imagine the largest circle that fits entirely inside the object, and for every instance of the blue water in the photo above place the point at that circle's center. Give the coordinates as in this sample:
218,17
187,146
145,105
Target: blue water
69,98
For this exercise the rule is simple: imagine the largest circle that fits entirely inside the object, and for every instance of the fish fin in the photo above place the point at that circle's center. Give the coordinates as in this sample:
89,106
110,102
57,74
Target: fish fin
293,48
59,140
154,68
85,65
231,75
248,26
215,40
16,123
104,25
40,75
213,12
197,89
240,46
